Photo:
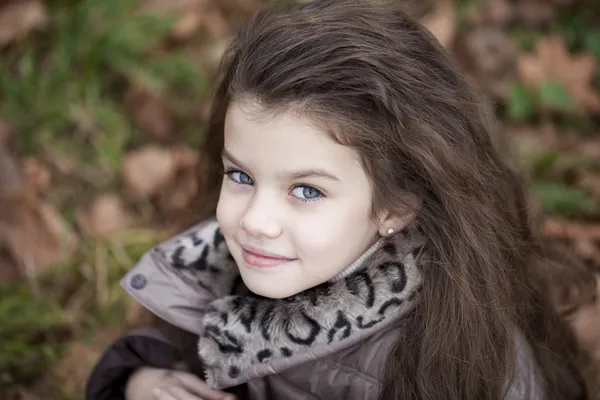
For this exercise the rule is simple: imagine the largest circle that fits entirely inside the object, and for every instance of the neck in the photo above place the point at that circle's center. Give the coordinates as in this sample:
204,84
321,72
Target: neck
359,263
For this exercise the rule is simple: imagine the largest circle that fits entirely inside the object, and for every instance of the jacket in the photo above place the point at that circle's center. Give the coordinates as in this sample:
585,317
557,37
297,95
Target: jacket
329,342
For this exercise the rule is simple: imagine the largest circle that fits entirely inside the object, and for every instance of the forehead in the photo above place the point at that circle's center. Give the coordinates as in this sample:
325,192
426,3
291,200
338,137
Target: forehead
283,139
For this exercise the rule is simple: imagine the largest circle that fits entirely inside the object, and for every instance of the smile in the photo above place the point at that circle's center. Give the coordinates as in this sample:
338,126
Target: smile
262,259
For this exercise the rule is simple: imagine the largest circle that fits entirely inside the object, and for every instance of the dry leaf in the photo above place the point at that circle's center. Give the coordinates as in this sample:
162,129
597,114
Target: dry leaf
535,13
493,56
148,169
37,176
213,53
19,18
12,179
492,12
104,217
586,324
76,363
441,23
590,182
179,193
552,61
244,6
9,268
584,238
150,113
191,15
37,236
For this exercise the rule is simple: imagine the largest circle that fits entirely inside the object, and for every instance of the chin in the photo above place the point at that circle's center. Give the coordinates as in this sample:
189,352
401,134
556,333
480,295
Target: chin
269,293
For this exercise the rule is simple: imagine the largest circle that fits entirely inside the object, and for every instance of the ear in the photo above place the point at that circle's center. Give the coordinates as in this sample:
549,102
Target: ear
390,223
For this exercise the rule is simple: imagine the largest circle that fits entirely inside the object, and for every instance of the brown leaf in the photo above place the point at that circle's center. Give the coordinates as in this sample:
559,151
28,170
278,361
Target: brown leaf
441,22
37,176
191,16
148,169
76,363
179,193
19,18
493,58
492,12
584,238
36,235
104,217
150,113
535,13
12,179
553,61
245,6
586,324
591,183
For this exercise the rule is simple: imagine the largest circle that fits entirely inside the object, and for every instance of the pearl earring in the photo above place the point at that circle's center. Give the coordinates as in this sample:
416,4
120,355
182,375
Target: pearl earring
390,231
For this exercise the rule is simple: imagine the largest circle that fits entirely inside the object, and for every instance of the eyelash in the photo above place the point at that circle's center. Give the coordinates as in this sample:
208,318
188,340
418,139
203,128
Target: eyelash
230,171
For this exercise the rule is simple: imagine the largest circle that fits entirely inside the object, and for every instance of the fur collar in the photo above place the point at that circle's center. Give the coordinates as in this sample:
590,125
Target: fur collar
242,329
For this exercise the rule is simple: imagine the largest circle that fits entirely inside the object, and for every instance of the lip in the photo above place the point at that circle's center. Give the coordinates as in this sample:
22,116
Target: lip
263,259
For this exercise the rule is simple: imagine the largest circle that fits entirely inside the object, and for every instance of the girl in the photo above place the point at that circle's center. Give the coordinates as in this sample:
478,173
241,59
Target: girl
369,242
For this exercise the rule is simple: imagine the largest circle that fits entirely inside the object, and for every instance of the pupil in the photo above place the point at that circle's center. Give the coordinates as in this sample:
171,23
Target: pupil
310,192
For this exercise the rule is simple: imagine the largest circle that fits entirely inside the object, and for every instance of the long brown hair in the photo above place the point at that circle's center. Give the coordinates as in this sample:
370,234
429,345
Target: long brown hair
377,81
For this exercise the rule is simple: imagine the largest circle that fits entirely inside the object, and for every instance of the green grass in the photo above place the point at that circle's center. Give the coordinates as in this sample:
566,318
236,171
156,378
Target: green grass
64,86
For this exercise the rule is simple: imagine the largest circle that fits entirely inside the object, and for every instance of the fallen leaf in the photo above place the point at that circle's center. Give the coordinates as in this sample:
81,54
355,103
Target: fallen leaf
9,267
589,148
552,61
493,56
191,15
148,169
535,13
591,183
150,113
492,12
585,322
36,235
12,179
37,176
104,217
182,189
186,25
213,53
76,363
19,18
583,238
245,6
441,23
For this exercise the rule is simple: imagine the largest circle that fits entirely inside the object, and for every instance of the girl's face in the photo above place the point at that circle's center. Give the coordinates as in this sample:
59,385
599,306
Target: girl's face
294,205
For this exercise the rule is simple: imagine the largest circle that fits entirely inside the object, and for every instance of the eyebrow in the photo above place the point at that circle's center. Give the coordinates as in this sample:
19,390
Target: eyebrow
296,175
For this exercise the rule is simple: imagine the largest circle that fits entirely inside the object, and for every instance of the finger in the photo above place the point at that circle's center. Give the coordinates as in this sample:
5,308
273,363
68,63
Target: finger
163,394
197,386
180,393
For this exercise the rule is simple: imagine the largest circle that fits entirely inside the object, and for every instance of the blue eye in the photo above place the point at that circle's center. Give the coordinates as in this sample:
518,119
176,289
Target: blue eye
240,177
307,193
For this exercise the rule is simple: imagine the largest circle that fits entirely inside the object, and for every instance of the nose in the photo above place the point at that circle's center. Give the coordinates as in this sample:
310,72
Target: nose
260,219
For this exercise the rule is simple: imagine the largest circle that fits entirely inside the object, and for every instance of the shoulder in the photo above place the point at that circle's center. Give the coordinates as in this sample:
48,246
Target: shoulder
171,279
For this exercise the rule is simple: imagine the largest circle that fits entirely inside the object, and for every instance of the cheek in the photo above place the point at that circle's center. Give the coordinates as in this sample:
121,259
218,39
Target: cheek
229,213
343,224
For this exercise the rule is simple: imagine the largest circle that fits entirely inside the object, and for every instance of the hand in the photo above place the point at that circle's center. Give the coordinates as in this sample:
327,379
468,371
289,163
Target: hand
164,384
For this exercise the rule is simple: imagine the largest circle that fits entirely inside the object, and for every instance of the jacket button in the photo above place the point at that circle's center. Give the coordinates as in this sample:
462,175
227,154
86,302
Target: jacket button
138,281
